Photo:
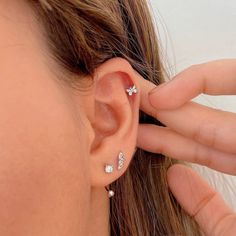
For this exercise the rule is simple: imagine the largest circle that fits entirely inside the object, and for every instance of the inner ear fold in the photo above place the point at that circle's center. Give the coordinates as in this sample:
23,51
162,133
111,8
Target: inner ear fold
112,106
105,123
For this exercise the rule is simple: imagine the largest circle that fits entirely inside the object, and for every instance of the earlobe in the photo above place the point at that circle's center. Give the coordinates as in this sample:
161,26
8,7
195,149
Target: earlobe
115,124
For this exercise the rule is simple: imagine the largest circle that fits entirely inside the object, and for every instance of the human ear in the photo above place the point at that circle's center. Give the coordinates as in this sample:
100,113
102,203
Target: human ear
115,119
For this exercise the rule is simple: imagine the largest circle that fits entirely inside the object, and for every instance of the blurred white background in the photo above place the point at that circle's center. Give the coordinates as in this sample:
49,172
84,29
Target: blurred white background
193,32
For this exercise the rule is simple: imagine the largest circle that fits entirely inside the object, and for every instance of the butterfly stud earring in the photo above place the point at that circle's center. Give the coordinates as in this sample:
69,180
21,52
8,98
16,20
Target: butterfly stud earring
131,90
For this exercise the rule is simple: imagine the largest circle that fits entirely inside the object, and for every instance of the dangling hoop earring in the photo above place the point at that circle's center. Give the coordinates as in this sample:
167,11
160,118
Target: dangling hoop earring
110,192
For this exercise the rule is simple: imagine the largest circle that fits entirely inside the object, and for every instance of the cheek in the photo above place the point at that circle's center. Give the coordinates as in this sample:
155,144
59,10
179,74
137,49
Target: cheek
43,157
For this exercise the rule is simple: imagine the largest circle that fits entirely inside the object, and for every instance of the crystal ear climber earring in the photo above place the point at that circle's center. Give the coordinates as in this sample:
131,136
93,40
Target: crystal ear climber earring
121,160
131,90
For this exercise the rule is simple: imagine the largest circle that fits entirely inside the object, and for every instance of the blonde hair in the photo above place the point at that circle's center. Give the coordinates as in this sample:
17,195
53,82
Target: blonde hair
83,34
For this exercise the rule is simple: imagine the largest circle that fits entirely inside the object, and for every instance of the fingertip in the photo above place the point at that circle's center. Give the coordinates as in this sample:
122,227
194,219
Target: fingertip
156,98
175,174
177,170
158,87
165,96
201,201
187,186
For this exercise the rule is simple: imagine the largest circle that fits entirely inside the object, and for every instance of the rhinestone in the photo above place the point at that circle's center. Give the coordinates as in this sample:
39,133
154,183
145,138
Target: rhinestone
131,90
108,168
121,159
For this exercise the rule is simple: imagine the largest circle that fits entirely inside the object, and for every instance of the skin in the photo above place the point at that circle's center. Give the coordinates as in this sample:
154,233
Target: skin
197,134
55,141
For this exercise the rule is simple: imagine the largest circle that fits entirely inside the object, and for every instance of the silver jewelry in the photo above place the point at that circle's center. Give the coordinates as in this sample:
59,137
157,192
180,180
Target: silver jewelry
111,193
121,160
108,168
131,90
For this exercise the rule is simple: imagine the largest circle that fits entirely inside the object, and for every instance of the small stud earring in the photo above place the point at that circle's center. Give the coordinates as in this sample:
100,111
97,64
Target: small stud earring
108,168
131,90
121,160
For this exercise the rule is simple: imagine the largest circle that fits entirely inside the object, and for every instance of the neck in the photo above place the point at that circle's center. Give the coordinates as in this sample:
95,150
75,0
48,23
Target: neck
99,212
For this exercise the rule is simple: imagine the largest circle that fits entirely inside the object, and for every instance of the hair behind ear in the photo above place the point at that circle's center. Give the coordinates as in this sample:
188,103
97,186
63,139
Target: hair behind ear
84,34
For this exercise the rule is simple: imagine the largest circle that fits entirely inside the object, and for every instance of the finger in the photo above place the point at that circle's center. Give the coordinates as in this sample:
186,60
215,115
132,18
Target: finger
214,217
213,78
146,86
211,127
163,140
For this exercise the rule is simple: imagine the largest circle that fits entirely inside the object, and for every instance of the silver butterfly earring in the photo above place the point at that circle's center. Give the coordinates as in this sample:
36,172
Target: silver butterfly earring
131,90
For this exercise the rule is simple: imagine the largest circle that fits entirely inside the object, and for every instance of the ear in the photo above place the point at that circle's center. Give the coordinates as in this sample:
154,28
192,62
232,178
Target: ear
114,120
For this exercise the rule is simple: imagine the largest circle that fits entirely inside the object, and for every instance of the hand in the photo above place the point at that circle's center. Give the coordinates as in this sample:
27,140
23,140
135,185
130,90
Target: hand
199,200
194,133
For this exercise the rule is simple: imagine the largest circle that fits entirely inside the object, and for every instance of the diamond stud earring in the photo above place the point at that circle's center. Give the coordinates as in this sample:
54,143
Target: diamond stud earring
131,90
108,168
121,160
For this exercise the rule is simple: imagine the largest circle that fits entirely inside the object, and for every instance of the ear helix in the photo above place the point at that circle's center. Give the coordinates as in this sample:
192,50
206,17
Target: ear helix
108,168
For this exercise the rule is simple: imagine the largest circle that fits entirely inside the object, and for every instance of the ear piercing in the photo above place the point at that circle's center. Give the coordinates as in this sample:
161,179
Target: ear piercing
109,169
131,90
121,157
110,192
121,160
